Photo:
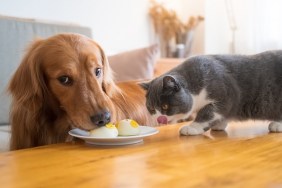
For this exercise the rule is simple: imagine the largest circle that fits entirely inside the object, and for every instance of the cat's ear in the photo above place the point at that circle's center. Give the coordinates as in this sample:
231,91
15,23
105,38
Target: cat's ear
145,85
171,83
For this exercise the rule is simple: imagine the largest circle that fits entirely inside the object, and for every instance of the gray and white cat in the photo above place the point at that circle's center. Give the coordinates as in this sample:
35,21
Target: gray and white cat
219,88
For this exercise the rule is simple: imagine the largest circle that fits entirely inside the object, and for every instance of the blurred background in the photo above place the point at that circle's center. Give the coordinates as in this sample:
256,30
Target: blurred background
225,26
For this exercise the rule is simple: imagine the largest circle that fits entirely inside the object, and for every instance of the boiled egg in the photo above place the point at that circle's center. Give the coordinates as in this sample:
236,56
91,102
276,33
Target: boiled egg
107,131
128,127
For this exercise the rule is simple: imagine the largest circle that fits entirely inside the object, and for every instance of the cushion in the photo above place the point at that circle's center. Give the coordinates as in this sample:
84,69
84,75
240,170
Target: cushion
135,64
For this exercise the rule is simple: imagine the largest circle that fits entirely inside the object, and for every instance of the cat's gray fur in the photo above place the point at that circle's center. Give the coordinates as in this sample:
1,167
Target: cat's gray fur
238,87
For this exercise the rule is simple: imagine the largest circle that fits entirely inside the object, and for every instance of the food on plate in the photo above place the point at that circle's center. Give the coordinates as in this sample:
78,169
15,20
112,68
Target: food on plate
107,131
125,127
128,127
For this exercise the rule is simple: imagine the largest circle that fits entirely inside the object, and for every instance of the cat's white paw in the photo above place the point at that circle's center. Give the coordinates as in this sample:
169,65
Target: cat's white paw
275,127
191,130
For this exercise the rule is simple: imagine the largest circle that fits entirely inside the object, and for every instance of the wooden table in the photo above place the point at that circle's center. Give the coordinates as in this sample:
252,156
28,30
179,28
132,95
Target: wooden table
243,156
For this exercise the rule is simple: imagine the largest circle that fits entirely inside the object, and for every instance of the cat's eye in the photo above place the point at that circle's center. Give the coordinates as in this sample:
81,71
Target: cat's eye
98,72
164,106
65,80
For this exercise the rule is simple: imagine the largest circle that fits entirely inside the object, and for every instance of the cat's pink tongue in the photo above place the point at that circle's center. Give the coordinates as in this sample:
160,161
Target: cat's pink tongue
162,120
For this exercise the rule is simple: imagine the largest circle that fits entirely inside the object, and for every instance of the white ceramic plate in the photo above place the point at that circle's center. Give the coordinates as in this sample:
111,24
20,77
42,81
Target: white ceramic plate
120,140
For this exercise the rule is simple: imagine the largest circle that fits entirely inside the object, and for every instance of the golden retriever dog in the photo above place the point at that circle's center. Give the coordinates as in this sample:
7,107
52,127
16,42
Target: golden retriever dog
65,82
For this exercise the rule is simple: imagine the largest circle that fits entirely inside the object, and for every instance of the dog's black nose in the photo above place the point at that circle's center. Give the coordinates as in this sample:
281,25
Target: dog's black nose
101,118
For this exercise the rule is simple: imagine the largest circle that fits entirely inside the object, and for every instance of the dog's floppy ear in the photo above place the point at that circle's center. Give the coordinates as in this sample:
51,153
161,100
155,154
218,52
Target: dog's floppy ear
27,83
108,82
27,88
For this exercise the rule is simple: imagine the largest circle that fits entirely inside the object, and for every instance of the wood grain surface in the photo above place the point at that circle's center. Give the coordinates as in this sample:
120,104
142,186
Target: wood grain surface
246,155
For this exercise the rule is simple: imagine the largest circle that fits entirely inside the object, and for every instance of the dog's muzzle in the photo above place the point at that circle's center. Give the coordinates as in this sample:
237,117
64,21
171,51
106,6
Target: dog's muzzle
101,119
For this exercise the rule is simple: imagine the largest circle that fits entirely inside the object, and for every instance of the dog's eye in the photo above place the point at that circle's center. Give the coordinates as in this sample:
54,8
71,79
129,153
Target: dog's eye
65,80
98,72
164,106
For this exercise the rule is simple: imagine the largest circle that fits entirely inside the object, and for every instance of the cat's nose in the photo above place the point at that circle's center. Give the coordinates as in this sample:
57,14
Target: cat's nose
101,118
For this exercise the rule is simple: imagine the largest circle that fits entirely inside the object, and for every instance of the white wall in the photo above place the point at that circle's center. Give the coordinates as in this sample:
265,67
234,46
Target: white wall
117,25
259,26
195,8
217,37
120,25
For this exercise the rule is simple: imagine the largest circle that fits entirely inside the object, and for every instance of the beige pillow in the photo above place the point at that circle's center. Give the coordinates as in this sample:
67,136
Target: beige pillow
135,64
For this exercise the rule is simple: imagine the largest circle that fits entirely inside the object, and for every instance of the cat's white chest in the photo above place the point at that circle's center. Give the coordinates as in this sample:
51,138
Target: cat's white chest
200,100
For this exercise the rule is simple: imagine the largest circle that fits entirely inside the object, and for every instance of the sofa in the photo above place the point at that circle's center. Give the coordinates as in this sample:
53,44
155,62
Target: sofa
17,33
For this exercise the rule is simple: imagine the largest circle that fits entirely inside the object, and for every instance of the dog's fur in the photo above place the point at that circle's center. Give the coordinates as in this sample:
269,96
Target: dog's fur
43,109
